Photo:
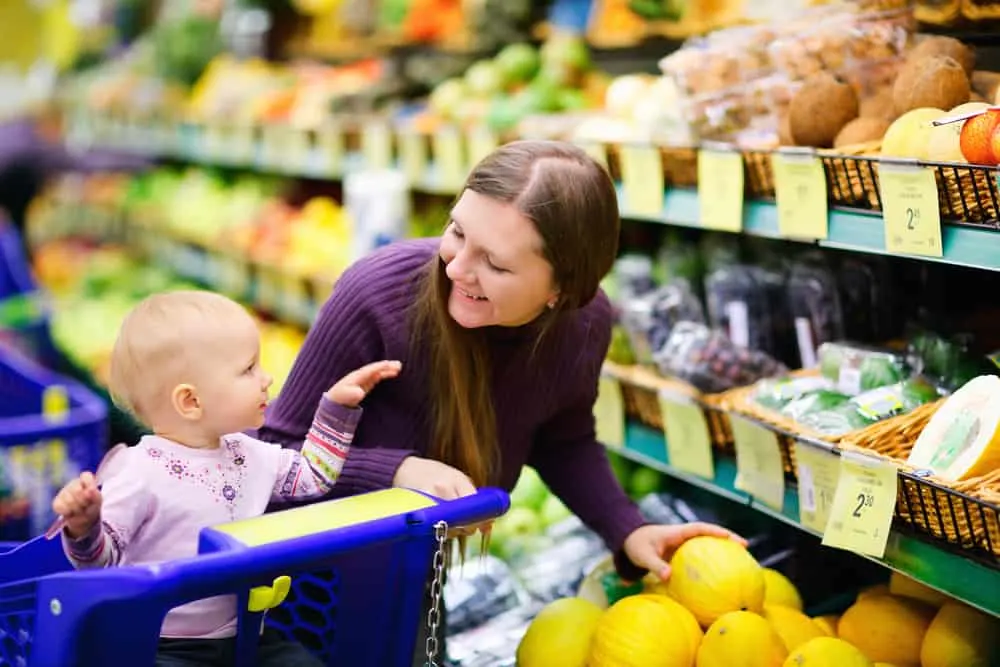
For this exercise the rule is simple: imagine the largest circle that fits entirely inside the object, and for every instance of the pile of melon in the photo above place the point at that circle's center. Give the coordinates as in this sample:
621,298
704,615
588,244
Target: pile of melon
720,608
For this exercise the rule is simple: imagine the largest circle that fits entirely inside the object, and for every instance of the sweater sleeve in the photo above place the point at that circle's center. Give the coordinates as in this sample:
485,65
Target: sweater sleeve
345,336
575,465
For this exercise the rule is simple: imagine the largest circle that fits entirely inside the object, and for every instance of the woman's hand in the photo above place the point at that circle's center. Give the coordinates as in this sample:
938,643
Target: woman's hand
651,547
439,480
433,477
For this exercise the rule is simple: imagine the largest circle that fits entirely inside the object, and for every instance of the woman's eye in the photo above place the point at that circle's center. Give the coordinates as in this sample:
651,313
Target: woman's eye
496,268
456,231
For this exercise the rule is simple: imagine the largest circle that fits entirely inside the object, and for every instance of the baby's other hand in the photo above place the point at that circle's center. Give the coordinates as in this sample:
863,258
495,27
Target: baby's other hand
354,386
79,503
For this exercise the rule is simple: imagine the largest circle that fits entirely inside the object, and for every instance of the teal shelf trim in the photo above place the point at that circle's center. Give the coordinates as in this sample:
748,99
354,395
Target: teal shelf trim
947,572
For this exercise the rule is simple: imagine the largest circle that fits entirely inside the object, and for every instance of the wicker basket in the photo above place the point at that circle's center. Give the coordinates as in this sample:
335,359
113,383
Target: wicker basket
852,176
679,164
758,174
641,387
965,514
967,193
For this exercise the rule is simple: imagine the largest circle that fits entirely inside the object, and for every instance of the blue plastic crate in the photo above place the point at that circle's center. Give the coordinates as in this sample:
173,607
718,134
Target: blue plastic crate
52,615
40,452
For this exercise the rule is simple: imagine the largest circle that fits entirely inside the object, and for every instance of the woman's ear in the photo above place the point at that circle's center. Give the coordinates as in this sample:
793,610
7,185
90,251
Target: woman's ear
553,300
184,399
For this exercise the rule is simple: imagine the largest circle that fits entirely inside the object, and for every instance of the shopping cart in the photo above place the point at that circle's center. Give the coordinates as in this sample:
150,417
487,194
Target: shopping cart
51,429
325,556
24,313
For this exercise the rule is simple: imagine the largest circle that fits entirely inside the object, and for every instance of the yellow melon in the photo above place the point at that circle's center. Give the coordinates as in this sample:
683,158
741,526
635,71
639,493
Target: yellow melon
884,664
741,639
962,438
643,631
712,576
828,624
559,634
900,584
909,134
827,652
877,589
778,589
887,628
794,627
960,636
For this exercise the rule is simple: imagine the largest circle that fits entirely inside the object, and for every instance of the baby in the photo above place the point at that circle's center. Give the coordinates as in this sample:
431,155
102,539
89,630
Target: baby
187,364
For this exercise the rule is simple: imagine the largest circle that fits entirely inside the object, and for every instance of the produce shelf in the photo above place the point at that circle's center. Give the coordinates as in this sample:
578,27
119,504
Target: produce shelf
967,580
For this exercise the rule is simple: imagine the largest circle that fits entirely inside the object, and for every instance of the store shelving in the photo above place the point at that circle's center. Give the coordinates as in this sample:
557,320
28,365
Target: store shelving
938,568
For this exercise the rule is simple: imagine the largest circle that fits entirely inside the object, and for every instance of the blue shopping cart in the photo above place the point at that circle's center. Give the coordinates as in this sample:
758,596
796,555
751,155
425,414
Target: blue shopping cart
51,429
24,313
322,556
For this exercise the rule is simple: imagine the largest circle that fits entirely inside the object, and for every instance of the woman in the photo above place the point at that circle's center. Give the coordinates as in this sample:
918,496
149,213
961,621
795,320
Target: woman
502,330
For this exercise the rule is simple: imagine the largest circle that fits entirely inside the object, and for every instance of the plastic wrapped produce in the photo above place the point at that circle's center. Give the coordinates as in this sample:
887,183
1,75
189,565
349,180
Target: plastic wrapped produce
710,361
749,304
557,571
650,318
494,643
814,302
859,368
778,392
482,589
871,407
866,298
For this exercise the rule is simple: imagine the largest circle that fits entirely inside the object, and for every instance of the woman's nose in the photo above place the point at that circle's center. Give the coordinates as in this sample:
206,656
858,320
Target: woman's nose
457,268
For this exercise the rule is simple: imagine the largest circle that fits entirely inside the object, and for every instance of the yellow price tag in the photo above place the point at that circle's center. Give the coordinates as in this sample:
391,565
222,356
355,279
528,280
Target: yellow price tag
818,472
595,150
760,471
55,404
609,413
720,190
863,505
910,210
330,144
800,190
642,181
272,146
481,142
689,447
413,155
449,157
376,145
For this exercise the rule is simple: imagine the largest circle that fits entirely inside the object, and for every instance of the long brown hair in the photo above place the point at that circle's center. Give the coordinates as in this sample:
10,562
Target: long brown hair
573,205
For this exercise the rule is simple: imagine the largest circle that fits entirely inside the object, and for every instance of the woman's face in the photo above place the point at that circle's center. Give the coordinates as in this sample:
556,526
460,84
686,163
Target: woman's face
493,256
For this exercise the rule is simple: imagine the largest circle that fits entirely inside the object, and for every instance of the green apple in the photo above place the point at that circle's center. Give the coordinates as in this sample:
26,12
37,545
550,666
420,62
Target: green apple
517,63
553,511
529,491
644,481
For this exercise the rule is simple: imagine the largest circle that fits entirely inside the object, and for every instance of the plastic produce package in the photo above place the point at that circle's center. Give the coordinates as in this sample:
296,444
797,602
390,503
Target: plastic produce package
871,407
859,368
750,304
649,319
481,589
710,361
866,298
814,302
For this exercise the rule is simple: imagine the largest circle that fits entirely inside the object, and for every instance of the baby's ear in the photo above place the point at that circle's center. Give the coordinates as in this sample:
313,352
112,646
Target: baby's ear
184,399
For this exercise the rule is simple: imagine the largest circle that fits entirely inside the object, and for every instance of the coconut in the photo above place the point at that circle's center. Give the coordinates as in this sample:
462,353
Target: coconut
938,82
879,105
820,109
937,45
860,131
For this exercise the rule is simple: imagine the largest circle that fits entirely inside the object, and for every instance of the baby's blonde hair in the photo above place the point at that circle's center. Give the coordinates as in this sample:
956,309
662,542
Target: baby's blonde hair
153,351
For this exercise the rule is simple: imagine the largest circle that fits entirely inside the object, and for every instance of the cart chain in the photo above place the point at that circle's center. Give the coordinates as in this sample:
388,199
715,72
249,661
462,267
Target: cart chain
434,613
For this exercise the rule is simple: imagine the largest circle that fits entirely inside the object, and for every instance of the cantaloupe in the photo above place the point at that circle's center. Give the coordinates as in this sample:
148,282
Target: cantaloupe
643,631
827,652
887,628
778,589
560,633
962,439
712,576
960,636
794,627
900,584
741,639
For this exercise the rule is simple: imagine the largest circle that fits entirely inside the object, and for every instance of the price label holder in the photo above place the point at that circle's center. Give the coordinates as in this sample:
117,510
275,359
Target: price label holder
910,209
760,471
481,141
863,505
298,149
596,150
449,158
609,413
800,190
689,447
413,155
233,275
268,297
331,148
720,188
642,181
272,146
376,145
818,473
295,303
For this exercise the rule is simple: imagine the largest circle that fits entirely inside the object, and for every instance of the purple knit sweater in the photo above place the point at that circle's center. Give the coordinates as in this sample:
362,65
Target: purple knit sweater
543,399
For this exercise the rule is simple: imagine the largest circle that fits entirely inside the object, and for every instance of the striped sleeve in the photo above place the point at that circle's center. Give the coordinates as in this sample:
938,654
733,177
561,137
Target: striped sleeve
313,471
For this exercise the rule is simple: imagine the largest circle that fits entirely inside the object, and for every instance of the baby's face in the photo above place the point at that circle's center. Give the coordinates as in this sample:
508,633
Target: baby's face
232,386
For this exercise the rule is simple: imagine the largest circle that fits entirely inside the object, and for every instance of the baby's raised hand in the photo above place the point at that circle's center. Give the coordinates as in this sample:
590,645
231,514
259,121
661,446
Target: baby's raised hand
354,386
79,503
